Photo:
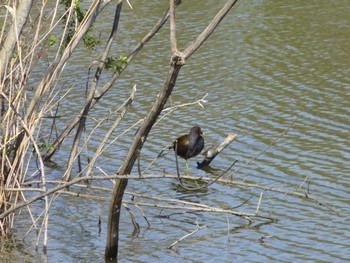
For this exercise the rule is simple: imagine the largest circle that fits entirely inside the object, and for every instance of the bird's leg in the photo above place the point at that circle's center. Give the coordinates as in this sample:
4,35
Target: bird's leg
177,163
186,171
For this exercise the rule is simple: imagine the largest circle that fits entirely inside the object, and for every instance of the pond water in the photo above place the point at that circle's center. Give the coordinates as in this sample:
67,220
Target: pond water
268,64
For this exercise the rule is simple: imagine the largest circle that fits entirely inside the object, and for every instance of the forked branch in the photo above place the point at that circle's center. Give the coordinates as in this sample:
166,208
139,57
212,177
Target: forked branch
177,61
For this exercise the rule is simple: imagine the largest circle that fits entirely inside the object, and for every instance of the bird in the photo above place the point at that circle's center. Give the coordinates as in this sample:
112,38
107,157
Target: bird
189,145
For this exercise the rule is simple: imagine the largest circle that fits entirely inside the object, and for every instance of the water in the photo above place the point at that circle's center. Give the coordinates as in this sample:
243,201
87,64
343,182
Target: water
269,63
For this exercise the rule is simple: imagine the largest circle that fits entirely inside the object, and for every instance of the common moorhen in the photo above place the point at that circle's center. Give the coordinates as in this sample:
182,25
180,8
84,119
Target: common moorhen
189,145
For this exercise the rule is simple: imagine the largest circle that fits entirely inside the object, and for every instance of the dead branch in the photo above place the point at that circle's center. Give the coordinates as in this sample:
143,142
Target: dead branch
60,186
162,176
209,29
103,90
171,109
176,63
188,235
133,220
91,95
174,206
20,14
258,207
207,184
95,8
143,214
265,149
103,143
211,153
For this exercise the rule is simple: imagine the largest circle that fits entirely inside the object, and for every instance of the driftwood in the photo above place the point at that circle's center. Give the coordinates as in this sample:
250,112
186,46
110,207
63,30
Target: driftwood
212,152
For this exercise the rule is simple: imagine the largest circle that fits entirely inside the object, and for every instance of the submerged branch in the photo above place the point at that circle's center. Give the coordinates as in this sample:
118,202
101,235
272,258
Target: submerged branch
173,205
187,235
75,182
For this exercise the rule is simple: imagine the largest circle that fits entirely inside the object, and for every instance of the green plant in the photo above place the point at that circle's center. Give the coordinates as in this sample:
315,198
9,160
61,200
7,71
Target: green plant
116,64
52,40
89,40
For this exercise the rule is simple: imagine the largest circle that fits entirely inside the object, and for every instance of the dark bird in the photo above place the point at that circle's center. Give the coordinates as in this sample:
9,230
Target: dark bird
189,145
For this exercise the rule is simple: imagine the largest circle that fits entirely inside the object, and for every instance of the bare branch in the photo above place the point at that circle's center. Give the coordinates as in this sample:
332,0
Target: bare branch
103,90
95,8
133,219
209,30
20,16
150,176
211,153
103,143
188,235
91,94
173,40
266,148
258,207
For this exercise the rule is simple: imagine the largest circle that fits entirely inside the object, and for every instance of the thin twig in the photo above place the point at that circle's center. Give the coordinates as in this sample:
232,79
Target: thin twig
265,149
228,227
187,206
301,185
103,90
188,235
159,176
171,109
258,207
103,143
143,215
209,183
133,220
